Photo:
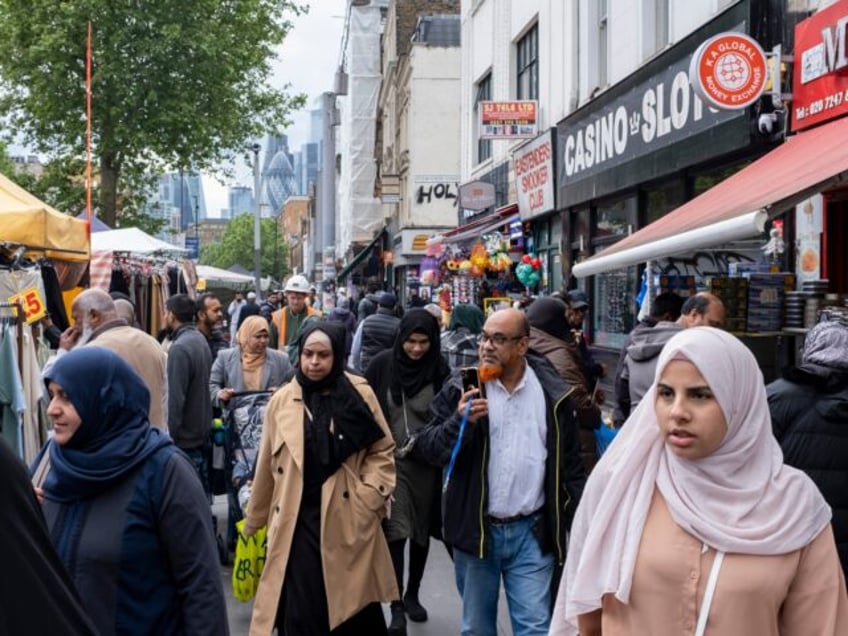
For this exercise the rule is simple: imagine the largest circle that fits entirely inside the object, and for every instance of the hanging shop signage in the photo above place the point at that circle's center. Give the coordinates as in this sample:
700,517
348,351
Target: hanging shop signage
476,196
649,125
729,71
534,176
820,75
508,120
413,242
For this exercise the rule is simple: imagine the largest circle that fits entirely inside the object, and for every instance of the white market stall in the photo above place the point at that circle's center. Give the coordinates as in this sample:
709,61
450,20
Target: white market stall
211,278
147,269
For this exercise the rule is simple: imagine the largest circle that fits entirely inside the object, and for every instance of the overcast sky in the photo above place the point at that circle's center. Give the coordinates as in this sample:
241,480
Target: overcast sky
307,61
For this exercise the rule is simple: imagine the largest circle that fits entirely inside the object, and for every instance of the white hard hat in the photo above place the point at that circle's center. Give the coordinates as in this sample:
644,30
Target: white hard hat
297,283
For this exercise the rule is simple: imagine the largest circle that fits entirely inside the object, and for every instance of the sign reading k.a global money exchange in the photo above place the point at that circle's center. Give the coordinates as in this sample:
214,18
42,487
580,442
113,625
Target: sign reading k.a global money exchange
729,71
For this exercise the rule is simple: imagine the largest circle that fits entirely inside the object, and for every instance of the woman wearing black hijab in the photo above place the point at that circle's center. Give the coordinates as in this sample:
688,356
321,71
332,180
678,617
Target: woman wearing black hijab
323,476
406,378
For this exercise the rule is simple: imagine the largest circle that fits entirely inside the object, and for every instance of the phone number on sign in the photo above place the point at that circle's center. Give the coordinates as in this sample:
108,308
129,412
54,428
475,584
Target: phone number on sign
820,105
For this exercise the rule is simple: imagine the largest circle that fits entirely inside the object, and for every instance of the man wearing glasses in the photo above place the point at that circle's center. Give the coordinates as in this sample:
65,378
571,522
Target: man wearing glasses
515,480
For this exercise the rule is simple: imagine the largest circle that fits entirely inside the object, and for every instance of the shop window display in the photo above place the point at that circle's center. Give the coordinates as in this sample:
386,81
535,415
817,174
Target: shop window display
614,307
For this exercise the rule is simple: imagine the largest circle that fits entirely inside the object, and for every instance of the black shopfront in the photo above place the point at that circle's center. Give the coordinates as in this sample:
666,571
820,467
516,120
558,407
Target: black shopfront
638,151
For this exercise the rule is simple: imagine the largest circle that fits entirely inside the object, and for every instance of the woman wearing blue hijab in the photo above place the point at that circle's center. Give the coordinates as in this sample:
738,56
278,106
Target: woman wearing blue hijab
124,507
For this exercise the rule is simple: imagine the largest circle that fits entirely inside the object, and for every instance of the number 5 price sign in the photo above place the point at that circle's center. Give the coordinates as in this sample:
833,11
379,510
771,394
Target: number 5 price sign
32,302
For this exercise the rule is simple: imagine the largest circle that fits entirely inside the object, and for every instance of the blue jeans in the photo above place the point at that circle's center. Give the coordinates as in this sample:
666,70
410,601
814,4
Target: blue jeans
514,553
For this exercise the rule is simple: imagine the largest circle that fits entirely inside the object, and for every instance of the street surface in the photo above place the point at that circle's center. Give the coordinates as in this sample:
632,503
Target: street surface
438,595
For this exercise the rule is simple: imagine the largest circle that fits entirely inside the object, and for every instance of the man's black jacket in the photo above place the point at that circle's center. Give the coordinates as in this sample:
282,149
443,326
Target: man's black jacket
465,503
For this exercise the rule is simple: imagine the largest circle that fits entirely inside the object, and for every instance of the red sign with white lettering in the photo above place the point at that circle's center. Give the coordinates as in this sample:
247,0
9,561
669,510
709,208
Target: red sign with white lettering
820,76
729,71
534,176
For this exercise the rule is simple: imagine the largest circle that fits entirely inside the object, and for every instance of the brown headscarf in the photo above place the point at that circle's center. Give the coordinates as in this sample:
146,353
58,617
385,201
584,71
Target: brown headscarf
251,363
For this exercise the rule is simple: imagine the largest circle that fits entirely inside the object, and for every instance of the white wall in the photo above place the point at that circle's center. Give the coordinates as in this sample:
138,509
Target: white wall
567,54
490,30
433,125
631,30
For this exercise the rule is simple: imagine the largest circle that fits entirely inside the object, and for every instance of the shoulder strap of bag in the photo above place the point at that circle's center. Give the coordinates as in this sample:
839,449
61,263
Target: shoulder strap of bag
42,470
709,593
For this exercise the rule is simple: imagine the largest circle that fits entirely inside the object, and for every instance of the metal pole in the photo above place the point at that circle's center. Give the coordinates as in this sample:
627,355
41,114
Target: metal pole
197,221
327,197
257,240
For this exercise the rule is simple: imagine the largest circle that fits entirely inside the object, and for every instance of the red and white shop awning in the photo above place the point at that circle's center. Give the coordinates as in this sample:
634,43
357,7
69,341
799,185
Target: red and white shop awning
738,207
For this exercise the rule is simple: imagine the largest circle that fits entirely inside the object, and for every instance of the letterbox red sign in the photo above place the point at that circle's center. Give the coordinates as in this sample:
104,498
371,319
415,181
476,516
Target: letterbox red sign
820,76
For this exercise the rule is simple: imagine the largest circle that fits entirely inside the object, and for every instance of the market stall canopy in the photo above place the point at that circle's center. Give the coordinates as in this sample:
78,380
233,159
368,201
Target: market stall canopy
27,220
133,241
738,207
223,278
491,222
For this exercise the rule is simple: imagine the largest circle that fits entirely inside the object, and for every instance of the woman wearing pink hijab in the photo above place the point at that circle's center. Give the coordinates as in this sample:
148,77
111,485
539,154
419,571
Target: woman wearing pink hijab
692,524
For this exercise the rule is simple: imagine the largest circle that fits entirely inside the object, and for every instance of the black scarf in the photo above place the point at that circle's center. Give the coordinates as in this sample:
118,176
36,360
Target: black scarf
409,376
333,399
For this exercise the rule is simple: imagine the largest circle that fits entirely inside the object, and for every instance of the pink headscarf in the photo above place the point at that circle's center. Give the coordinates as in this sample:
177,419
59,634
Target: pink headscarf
741,499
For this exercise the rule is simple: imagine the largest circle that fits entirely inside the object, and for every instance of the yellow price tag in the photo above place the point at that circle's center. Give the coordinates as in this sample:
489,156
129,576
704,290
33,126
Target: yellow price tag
34,307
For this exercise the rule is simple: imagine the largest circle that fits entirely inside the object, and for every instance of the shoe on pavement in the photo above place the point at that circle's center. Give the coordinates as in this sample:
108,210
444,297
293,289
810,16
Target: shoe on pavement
398,624
414,609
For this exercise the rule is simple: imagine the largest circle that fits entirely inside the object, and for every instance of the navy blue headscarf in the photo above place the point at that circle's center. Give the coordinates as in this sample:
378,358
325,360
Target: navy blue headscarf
114,436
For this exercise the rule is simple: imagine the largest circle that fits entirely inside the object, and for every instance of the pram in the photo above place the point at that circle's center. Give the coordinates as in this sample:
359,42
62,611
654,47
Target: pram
243,418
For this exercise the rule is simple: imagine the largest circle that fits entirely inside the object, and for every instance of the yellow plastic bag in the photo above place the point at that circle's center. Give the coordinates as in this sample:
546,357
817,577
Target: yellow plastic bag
249,563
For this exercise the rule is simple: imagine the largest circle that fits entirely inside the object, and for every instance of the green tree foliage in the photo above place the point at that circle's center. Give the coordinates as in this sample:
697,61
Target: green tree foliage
236,247
175,84
6,165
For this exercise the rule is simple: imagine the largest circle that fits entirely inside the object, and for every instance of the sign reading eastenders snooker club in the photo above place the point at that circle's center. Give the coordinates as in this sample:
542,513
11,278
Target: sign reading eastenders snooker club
534,176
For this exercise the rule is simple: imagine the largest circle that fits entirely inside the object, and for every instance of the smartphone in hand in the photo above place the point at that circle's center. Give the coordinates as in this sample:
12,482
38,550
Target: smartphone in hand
471,380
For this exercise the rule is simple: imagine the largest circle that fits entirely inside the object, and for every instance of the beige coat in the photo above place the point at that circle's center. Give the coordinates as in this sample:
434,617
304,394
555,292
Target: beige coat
355,557
147,358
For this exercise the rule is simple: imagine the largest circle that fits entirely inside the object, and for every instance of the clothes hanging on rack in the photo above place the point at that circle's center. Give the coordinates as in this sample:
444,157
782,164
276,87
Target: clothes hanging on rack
12,399
53,296
33,390
13,281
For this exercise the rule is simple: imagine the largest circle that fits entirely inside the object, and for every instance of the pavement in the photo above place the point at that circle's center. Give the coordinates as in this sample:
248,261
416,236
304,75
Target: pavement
438,594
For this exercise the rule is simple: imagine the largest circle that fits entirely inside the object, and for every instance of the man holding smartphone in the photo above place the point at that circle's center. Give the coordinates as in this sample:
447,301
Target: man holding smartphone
516,480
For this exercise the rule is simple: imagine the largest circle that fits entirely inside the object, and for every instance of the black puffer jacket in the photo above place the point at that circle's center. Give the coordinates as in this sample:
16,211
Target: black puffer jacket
809,411
378,334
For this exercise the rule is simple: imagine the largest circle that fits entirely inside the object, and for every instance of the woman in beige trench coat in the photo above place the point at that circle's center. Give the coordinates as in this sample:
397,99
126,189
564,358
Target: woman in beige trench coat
324,473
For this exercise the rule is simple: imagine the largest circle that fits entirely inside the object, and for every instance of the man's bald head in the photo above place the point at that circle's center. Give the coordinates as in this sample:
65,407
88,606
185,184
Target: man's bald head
702,310
93,306
125,311
511,321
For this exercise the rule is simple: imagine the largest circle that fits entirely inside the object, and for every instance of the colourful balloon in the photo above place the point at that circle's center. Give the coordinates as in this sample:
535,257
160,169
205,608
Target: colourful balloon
526,259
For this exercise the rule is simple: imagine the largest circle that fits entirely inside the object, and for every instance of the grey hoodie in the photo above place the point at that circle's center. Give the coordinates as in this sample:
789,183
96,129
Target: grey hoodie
640,363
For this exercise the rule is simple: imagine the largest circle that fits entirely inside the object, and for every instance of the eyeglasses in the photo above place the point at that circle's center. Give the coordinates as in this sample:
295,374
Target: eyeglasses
498,339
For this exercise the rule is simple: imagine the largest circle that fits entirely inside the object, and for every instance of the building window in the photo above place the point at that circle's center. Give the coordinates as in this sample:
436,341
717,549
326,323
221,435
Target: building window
603,43
483,94
655,26
527,65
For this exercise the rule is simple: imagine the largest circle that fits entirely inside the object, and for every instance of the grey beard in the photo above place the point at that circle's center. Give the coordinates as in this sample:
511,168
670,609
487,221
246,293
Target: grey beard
85,337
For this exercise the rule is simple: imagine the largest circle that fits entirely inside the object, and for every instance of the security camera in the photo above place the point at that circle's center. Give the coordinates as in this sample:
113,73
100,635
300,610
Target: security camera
766,122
